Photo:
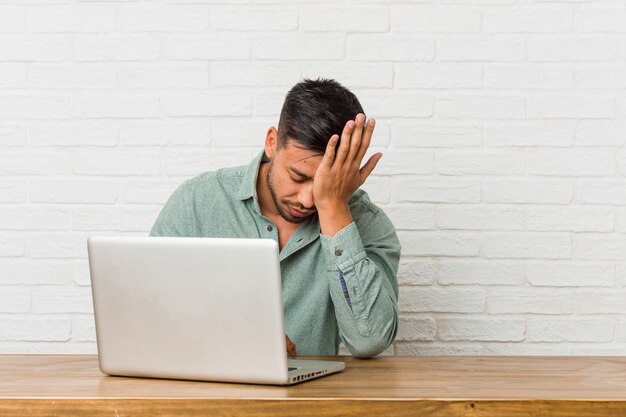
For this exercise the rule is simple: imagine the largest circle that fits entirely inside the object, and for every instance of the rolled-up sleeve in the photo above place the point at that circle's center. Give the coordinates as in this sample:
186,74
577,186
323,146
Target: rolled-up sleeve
362,265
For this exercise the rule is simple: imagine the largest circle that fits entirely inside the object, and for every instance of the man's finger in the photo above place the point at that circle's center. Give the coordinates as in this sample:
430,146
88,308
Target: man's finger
344,145
367,139
369,166
331,149
291,347
355,139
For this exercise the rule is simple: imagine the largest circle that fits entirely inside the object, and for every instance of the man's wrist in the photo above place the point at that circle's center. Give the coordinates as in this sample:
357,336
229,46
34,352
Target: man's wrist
334,218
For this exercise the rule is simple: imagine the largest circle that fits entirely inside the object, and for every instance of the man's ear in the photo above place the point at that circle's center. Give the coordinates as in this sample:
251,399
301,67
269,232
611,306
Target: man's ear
271,142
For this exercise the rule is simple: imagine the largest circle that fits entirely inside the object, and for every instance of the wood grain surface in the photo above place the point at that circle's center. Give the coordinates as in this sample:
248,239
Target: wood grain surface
64,385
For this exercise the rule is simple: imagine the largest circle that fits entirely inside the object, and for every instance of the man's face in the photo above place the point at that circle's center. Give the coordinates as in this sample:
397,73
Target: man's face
290,181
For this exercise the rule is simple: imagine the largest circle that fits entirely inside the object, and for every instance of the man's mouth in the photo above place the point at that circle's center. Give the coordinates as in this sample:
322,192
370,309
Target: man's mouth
297,213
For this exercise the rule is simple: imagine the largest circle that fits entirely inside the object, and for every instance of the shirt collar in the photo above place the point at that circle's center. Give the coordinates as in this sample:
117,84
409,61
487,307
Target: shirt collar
248,184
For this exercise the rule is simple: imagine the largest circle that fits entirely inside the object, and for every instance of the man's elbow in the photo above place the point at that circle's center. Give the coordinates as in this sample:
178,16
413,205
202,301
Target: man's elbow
370,346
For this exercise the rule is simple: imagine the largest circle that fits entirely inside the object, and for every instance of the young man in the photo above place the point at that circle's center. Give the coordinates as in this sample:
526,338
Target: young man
339,253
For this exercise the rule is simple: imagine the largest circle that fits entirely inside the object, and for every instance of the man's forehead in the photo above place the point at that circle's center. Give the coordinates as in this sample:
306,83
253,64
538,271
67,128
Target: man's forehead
296,155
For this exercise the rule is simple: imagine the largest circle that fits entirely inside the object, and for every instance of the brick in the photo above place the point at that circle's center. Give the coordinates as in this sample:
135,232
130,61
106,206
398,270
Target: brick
602,133
210,103
570,48
481,48
546,19
259,18
448,300
268,103
570,274
56,245
164,75
344,18
35,329
11,245
192,132
196,161
11,19
415,272
14,300
48,300
34,106
444,19
300,46
34,162
602,192
600,76
115,218
400,104
34,48
517,134
352,74
412,189
388,47
528,191
469,272
474,162
601,19
434,349
620,331
12,191
72,76
411,134
577,163
439,244
83,329
378,188
22,271
604,301
12,75
71,18
527,245
148,17
479,217
410,328
254,74
207,46
73,133
34,218
481,107
411,217
530,301
12,134
115,105
437,75
528,76
116,47
83,191
620,220
527,348
80,272
116,162
574,219
234,132
571,107
599,246
499,330
396,162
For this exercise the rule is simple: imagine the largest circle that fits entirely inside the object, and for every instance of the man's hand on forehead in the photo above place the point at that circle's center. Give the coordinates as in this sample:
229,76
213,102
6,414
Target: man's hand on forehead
340,173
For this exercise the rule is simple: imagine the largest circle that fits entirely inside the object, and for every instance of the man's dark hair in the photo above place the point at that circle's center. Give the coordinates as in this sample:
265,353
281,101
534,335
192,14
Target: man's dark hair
313,111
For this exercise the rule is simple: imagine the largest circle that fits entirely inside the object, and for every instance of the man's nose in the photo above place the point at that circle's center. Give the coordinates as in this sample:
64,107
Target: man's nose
306,196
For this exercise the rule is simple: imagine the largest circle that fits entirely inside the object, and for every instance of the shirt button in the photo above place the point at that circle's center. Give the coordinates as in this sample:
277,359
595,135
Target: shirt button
270,228
338,252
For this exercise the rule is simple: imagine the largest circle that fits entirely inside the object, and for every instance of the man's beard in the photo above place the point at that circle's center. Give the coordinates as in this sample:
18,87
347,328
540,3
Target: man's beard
283,213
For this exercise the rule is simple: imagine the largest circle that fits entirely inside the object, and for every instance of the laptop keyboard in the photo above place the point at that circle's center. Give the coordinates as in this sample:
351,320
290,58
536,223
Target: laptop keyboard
292,369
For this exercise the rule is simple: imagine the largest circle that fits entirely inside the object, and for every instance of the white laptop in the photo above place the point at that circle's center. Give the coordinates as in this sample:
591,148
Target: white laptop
193,308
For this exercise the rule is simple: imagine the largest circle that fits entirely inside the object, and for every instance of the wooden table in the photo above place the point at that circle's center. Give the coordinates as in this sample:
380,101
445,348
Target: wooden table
69,385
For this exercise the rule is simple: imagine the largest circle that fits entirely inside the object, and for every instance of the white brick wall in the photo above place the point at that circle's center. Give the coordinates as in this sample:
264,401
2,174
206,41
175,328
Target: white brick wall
502,122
